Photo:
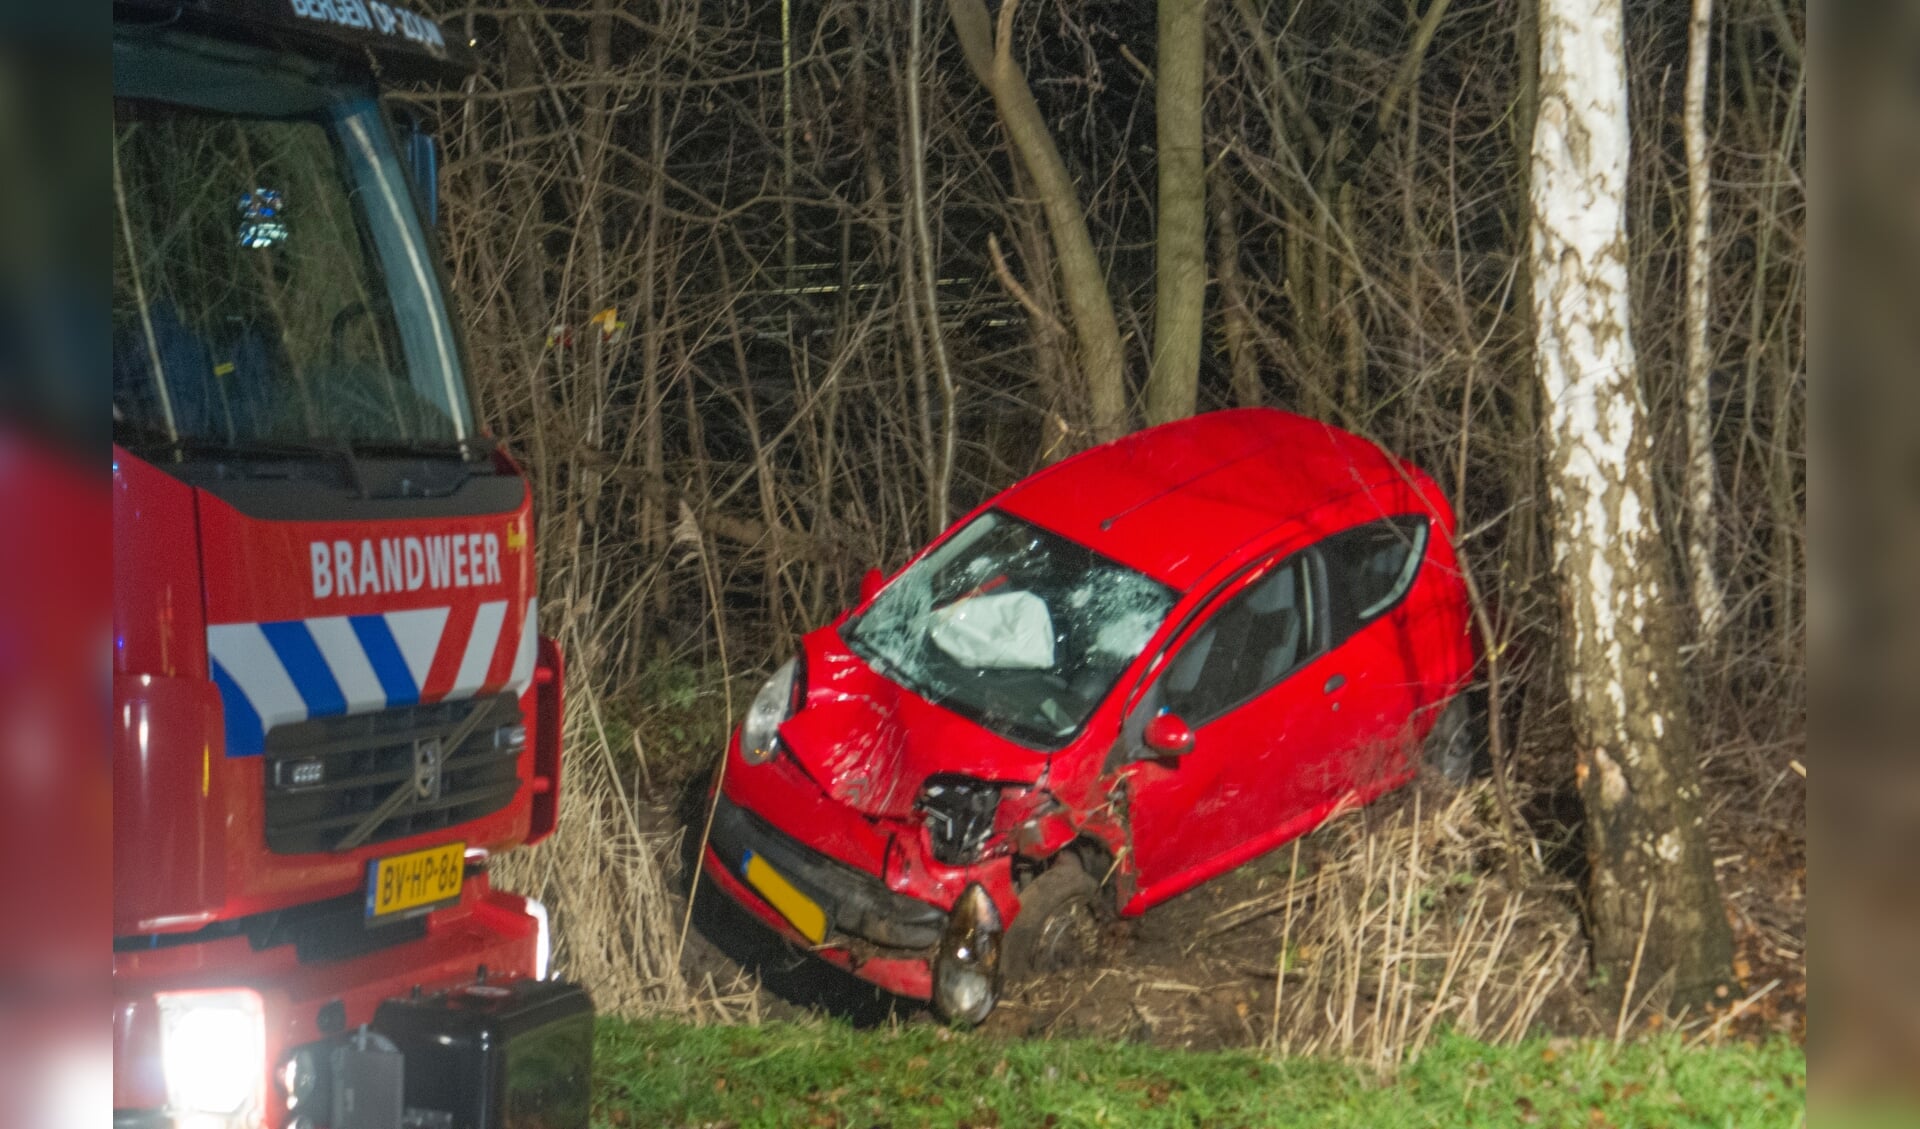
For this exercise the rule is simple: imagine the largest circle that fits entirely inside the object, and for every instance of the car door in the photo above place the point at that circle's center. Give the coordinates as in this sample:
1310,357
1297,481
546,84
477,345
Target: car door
1246,679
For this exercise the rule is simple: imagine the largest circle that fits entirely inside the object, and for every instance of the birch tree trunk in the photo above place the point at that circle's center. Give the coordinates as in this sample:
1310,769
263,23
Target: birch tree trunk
1180,255
1654,909
989,52
1709,601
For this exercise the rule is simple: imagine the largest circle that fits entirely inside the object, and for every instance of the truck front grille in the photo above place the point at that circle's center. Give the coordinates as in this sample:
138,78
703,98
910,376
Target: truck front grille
334,783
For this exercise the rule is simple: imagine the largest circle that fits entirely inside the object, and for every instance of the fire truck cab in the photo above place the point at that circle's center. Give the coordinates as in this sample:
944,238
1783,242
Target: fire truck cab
332,707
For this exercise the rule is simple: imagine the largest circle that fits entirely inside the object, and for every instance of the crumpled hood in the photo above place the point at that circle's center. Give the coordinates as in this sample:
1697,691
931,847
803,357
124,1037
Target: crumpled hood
870,743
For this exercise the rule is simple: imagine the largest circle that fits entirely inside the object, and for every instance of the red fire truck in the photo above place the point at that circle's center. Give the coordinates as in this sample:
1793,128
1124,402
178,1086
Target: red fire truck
331,703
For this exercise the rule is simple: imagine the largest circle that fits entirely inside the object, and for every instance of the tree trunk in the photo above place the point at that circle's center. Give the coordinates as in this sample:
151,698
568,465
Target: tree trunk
989,54
940,487
1236,322
1180,256
1654,909
1709,602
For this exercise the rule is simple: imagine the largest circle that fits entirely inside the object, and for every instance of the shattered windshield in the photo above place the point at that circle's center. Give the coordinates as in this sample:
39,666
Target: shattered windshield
1018,628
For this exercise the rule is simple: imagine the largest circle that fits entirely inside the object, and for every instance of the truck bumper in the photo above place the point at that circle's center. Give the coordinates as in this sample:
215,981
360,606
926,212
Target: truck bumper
487,938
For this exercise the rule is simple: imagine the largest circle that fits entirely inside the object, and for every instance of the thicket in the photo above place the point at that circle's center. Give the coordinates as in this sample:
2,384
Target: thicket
697,306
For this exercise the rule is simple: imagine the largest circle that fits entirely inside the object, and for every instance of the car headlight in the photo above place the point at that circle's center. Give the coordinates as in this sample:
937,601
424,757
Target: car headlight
777,701
213,1051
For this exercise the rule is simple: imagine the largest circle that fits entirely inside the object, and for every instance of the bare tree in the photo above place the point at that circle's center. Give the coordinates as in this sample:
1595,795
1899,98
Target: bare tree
941,480
1236,325
1180,229
989,52
1709,602
1654,909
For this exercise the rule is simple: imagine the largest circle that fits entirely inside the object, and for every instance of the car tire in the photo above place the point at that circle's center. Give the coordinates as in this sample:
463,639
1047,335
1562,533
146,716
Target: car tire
1453,746
1063,913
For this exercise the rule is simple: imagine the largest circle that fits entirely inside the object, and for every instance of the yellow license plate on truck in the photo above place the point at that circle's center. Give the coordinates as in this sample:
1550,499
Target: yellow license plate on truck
418,878
805,913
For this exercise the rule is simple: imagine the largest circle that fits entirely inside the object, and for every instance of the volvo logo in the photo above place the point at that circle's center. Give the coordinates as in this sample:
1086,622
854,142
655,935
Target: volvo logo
426,770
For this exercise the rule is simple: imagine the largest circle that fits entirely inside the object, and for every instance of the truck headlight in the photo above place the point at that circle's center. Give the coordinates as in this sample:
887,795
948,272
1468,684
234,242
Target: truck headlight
543,940
213,1051
777,701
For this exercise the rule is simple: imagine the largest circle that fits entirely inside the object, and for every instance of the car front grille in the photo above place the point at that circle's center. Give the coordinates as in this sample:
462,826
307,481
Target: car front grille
335,783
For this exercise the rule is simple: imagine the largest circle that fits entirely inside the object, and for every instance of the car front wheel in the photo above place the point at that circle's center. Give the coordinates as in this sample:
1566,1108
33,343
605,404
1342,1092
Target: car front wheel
1062,915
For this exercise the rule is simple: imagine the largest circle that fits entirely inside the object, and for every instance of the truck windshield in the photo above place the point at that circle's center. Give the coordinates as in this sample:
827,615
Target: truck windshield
1015,627
271,283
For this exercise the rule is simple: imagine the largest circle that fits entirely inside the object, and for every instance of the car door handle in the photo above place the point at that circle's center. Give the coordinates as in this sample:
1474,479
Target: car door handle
1334,683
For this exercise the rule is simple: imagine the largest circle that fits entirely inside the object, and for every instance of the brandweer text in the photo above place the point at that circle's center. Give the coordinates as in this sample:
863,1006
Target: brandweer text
404,564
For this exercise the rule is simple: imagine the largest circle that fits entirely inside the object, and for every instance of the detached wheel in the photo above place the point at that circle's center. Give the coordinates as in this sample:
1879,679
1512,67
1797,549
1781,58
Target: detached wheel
1453,746
1062,915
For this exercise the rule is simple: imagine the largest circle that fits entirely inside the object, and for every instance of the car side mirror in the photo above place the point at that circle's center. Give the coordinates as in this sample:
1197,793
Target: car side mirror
871,583
1168,736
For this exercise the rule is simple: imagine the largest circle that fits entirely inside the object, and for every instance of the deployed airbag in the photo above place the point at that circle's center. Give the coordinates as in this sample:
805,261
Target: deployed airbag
1001,631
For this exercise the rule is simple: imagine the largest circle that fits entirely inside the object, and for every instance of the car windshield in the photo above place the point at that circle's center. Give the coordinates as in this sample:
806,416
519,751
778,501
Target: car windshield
1017,628
271,283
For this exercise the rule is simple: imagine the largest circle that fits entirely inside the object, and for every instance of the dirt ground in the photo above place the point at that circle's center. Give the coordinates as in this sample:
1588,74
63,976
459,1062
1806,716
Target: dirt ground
1201,971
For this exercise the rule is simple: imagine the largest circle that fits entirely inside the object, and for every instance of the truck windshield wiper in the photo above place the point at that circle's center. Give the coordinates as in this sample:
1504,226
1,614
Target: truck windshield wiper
187,447
467,450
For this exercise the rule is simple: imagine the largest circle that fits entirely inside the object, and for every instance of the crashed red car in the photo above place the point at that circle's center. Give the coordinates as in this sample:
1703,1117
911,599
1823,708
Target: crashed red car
1136,669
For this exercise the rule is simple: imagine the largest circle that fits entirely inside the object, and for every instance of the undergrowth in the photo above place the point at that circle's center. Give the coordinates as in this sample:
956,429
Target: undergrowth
671,724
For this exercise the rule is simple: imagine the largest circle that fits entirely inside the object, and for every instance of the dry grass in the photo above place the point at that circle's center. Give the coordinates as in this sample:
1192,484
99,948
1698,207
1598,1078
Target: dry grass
1362,941
606,878
603,878
1413,925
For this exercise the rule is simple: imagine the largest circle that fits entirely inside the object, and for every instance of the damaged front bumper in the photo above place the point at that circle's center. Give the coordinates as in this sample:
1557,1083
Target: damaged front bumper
856,920
851,903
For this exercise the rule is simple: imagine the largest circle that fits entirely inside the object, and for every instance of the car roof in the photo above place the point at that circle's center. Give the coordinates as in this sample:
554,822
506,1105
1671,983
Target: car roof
1173,501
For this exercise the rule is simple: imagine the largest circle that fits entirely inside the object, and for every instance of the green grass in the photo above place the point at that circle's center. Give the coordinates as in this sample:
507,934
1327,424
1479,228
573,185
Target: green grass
829,1075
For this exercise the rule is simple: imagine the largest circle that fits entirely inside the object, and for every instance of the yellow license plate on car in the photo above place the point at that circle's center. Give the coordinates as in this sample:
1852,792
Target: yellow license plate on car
417,878
805,913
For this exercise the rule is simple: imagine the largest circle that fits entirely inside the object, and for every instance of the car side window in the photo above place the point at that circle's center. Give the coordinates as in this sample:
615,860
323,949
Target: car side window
1256,638
1370,567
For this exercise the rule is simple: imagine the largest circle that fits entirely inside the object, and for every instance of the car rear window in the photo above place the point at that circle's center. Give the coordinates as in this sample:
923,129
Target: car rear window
1370,567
